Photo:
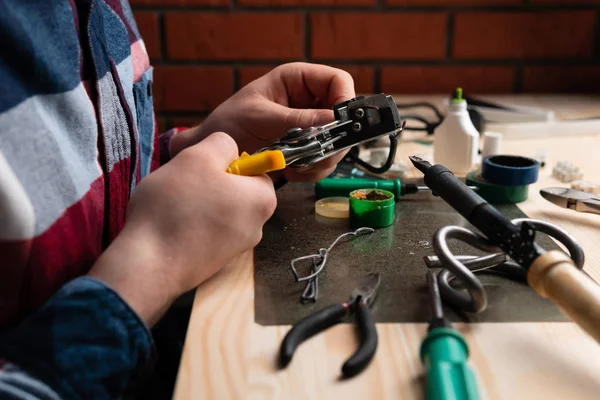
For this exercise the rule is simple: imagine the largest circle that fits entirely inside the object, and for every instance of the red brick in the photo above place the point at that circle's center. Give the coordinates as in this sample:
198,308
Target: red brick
226,36
537,34
185,122
362,75
371,36
423,3
191,88
562,79
444,79
179,2
147,23
276,3
567,1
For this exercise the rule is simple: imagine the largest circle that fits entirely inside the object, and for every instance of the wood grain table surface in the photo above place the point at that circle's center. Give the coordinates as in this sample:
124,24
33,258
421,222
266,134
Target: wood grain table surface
229,356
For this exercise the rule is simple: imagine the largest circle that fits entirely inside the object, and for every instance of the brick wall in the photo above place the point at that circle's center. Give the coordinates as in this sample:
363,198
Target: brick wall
205,50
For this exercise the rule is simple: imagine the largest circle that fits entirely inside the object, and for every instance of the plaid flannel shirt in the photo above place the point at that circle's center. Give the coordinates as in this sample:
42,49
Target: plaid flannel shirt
77,132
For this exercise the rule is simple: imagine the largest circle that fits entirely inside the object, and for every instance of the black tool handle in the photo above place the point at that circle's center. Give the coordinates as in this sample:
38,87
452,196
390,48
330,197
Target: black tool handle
368,342
308,327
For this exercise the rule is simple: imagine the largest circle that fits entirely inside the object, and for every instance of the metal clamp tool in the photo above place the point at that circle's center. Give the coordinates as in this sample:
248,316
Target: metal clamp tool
552,274
357,121
572,199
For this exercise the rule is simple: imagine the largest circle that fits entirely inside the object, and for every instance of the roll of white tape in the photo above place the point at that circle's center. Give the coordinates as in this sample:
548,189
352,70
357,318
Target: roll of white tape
492,144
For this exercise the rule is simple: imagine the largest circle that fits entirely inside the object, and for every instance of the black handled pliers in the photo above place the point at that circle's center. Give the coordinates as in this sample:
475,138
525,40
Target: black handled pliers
361,300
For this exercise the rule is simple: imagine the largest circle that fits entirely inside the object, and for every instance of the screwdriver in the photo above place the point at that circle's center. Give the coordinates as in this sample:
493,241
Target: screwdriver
444,353
341,187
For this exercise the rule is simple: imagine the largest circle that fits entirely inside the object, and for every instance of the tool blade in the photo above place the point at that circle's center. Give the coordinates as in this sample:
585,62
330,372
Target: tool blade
556,196
562,197
367,288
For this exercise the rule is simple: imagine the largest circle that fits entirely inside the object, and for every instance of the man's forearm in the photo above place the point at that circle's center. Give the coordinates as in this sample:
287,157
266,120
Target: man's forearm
84,343
135,268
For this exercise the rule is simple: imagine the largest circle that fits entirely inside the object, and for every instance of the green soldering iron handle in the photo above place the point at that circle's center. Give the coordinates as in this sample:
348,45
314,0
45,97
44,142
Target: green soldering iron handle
444,352
334,187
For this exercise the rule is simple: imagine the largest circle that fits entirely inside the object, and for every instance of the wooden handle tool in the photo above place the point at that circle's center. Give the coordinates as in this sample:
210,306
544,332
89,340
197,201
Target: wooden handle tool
553,275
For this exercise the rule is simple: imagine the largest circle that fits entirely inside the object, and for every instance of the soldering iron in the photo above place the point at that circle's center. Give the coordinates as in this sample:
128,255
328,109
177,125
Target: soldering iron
551,274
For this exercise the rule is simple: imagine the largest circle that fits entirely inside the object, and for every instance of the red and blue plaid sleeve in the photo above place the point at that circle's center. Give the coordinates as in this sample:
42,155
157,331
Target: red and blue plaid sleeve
84,343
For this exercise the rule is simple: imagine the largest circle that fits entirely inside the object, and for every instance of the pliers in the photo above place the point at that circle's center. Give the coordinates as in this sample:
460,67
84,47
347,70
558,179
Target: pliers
357,120
361,300
572,199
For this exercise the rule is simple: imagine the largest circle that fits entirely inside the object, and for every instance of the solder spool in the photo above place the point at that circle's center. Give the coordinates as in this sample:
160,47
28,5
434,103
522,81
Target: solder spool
373,208
497,194
333,207
509,170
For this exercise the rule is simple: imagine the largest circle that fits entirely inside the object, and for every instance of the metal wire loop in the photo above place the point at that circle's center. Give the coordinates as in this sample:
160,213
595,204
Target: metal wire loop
322,256
463,267
319,260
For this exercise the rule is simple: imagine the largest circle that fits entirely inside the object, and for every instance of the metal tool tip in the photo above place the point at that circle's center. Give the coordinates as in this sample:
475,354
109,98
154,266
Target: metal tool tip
419,163
428,265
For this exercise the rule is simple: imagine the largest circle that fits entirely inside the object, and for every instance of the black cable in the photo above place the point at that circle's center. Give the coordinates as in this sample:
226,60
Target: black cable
429,126
354,158
422,104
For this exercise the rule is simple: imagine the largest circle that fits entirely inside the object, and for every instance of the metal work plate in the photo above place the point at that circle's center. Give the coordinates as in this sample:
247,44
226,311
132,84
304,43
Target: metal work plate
396,252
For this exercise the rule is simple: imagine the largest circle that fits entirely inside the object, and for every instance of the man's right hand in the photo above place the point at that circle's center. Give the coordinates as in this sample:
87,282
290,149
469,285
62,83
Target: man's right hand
185,221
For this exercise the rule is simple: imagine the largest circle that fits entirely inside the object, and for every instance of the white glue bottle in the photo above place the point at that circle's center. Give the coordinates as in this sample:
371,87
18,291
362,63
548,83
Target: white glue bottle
456,141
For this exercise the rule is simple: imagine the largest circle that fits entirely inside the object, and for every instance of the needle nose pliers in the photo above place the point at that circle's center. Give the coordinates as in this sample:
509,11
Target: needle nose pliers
359,303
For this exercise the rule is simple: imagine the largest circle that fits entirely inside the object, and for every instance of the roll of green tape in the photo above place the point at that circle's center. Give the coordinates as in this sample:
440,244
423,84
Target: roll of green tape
497,194
373,208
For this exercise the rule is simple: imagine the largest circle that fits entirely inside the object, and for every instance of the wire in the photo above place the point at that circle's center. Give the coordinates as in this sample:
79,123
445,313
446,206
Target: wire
422,104
353,157
429,126
319,261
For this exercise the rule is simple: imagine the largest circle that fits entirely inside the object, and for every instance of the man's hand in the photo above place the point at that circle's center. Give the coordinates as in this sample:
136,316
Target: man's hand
291,95
185,221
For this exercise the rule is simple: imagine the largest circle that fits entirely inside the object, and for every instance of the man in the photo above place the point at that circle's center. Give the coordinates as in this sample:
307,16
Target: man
97,239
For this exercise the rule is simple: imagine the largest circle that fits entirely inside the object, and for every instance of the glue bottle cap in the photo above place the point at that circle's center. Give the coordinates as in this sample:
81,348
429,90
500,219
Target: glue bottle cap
458,96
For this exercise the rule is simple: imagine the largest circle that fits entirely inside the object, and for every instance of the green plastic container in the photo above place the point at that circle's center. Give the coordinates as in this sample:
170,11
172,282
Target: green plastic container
377,212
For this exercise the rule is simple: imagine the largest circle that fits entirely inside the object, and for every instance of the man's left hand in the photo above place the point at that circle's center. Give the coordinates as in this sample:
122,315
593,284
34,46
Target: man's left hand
291,95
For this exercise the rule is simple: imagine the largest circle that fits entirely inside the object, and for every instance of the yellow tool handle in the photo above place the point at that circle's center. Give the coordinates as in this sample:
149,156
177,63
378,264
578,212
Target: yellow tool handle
258,164
553,275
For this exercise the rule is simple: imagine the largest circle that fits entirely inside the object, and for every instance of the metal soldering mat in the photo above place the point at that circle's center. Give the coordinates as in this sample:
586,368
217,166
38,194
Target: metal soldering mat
396,252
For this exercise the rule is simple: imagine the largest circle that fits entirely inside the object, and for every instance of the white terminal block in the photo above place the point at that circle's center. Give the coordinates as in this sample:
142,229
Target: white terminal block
566,171
492,144
586,186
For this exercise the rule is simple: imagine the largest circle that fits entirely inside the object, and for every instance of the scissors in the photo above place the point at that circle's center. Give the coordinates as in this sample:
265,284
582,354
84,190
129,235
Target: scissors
357,120
572,199
361,300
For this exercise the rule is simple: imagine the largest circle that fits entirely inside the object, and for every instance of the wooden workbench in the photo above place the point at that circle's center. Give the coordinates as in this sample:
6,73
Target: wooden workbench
228,356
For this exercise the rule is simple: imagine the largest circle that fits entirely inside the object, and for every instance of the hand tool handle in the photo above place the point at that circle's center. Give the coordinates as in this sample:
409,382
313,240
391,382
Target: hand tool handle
444,353
341,187
308,327
258,164
368,342
554,275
